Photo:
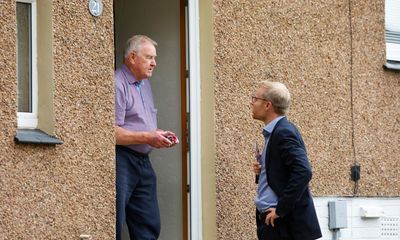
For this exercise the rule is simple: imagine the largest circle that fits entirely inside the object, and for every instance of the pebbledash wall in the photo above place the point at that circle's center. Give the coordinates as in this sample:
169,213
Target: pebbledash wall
330,54
62,191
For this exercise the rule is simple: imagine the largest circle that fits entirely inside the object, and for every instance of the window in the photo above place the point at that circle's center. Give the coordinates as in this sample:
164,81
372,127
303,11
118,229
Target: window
27,97
35,84
392,33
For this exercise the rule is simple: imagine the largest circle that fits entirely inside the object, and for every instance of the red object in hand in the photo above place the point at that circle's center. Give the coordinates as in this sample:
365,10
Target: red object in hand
172,138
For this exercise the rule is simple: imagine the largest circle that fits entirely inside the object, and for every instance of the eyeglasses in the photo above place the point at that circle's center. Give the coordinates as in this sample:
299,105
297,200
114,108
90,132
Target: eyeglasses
254,99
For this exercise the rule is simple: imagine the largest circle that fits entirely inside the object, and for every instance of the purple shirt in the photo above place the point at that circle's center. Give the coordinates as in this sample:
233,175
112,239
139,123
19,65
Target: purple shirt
134,105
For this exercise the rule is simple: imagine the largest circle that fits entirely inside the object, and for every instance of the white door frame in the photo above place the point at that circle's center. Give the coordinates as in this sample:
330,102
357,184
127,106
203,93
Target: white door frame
196,231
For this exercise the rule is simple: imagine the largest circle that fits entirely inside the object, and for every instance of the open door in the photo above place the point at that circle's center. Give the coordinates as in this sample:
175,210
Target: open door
164,22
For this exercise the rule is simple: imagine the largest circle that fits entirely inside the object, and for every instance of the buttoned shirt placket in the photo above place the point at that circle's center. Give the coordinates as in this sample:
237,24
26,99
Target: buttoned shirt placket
138,86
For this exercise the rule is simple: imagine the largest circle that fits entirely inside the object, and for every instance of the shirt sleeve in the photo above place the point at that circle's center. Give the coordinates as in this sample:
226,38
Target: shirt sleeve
120,103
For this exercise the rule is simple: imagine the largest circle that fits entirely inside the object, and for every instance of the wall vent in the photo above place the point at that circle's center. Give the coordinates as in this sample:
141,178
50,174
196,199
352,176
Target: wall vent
390,227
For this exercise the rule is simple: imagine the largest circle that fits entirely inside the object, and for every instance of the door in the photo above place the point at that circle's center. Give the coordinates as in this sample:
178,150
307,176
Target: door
163,22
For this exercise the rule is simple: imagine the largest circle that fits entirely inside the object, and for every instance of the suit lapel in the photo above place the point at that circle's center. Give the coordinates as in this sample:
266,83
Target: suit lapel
271,137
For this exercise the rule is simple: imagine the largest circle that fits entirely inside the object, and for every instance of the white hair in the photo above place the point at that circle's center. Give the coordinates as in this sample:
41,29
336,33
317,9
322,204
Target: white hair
279,96
134,44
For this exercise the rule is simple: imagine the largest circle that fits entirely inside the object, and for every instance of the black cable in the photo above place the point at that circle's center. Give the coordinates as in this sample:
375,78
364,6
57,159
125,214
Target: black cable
351,98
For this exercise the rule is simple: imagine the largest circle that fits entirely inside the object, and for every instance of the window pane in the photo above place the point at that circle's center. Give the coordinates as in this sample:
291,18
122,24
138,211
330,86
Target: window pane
24,57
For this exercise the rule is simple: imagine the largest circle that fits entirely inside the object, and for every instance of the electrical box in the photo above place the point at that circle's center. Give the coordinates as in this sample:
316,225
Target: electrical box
337,214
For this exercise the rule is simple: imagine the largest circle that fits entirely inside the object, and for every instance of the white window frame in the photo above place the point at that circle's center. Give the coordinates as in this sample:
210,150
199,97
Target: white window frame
29,120
392,30
196,231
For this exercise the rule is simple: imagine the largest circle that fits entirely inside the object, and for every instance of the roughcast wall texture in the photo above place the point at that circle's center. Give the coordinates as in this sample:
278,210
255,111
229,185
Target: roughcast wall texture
330,54
60,192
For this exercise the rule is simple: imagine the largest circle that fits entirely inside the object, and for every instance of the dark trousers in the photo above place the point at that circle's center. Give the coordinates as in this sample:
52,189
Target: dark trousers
136,195
267,232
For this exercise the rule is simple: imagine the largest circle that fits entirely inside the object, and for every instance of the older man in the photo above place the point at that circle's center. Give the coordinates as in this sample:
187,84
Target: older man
136,133
284,206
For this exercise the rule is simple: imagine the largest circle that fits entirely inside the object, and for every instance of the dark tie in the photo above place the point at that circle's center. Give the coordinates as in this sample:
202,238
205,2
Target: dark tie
265,133
266,136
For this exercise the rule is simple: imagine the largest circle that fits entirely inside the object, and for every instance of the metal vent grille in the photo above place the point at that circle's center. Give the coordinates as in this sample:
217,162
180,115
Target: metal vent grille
392,37
390,227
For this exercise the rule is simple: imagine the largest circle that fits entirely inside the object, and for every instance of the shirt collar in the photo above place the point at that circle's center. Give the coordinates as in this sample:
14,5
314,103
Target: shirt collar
270,126
129,76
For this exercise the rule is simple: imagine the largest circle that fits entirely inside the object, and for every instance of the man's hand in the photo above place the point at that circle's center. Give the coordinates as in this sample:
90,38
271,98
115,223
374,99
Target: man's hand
257,167
271,216
171,137
159,139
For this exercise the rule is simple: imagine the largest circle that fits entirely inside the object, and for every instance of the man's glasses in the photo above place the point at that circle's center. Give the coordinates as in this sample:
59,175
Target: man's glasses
254,99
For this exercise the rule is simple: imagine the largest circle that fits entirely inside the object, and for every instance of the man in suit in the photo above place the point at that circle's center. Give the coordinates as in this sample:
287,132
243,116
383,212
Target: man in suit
284,206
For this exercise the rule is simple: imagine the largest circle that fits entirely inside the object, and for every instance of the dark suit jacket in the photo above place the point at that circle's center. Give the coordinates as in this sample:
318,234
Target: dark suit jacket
288,174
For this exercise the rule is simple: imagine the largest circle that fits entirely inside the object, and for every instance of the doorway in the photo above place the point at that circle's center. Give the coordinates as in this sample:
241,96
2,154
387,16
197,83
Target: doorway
164,22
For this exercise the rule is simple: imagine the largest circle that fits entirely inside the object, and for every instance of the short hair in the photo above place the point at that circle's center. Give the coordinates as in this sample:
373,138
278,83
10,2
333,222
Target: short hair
279,96
134,44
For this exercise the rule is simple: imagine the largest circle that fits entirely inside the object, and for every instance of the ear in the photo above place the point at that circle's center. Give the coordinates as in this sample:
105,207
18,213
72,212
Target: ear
132,58
267,105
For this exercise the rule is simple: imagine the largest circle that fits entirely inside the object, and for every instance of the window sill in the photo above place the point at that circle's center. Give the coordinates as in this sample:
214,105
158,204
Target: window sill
392,66
35,136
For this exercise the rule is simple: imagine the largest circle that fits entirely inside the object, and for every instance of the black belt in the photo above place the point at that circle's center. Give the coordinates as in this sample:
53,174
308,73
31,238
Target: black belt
262,216
133,152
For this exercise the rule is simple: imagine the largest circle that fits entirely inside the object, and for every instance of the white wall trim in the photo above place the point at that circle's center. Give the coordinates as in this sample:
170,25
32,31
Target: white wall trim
196,231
